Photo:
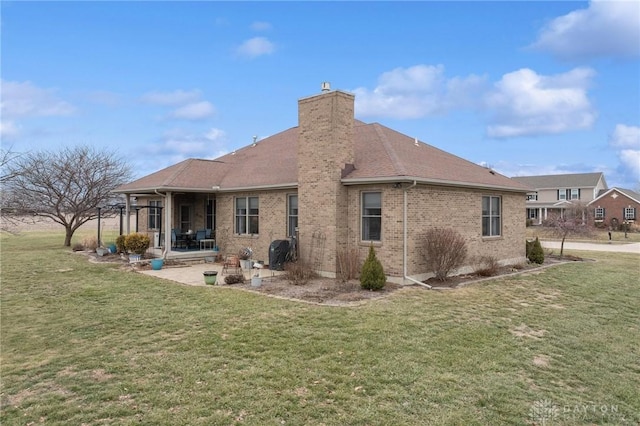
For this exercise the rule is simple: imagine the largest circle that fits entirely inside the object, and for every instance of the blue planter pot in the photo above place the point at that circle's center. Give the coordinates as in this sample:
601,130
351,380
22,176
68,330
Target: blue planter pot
156,264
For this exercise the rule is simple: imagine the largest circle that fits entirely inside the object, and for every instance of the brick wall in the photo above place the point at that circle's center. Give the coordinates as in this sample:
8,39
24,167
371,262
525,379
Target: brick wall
325,145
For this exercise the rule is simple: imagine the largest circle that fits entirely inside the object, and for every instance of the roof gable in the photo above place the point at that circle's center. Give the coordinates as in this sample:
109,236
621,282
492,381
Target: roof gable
575,180
632,195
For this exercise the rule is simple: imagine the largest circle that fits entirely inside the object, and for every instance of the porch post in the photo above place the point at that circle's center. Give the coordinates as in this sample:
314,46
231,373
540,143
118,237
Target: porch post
168,223
127,210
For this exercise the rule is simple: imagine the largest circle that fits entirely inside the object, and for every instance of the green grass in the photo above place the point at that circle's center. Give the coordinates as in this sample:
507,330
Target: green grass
86,343
597,236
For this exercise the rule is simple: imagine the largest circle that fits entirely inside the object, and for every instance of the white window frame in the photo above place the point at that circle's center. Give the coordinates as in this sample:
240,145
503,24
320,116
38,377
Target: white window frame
489,216
247,220
292,215
575,192
369,216
629,213
598,214
562,194
154,215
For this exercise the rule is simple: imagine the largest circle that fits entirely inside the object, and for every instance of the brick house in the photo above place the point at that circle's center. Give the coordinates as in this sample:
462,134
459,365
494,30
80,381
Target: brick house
339,184
615,206
550,194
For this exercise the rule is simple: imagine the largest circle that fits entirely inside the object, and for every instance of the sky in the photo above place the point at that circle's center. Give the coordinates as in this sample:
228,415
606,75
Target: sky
524,87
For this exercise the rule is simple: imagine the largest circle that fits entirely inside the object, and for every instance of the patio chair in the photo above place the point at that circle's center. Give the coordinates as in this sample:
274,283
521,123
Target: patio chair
177,241
201,234
231,265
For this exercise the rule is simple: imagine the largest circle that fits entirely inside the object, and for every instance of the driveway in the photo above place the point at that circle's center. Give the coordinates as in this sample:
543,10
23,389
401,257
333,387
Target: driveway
570,245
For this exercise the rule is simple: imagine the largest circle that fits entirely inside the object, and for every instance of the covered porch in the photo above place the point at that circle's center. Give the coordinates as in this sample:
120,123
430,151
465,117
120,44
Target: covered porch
180,225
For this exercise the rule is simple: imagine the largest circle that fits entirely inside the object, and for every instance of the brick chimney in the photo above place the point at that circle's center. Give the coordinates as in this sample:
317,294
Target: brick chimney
325,148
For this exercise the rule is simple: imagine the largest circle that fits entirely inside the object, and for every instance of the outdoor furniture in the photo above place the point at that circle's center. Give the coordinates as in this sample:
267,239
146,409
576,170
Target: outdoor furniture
199,236
177,239
206,243
231,263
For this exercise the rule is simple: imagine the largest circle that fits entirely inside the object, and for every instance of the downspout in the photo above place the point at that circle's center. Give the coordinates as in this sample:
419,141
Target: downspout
164,251
404,247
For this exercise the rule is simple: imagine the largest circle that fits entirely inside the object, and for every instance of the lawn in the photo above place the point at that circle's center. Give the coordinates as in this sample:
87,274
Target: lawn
86,343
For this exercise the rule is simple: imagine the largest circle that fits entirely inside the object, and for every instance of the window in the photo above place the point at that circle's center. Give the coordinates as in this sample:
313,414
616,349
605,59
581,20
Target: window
154,214
532,197
599,213
185,217
490,216
629,213
575,194
210,214
292,219
247,215
532,213
371,216
562,194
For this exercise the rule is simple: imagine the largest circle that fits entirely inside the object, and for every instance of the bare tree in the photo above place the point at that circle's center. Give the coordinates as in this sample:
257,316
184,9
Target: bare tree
66,186
575,219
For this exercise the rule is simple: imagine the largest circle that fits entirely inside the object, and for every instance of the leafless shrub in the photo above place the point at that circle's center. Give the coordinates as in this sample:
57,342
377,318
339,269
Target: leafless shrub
298,273
486,266
234,279
445,251
90,243
348,264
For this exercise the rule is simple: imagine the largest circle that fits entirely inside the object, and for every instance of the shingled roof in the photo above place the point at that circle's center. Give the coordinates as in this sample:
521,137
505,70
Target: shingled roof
381,154
575,180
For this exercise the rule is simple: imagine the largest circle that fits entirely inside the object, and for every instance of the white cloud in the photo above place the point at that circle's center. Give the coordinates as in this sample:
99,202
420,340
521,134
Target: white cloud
524,103
255,47
177,97
630,159
24,99
415,92
625,137
605,28
260,26
215,134
194,111
8,129
626,141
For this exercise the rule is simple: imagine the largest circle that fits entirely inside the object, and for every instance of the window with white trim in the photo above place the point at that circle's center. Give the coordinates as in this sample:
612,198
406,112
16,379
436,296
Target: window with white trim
575,194
247,215
154,214
629,213
491,216
562,194
292,216
599,213
371,216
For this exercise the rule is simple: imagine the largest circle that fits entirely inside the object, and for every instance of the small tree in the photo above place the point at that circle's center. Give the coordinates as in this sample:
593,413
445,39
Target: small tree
445,251
372,276
536,253
573,220
66,186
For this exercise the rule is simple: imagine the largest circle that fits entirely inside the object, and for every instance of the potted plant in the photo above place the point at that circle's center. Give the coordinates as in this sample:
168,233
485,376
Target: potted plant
245,257
136,245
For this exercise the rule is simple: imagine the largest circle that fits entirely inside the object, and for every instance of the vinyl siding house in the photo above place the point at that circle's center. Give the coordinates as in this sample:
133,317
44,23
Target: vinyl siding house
338,184
616,206
550,194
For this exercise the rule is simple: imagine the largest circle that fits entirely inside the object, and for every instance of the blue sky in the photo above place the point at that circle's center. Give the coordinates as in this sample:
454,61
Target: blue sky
524,87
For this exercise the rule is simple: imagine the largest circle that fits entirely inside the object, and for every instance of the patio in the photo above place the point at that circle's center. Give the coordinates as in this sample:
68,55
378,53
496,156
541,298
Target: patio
193,274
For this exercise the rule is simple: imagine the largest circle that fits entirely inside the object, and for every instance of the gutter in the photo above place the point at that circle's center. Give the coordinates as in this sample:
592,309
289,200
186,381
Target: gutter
404,237
435,182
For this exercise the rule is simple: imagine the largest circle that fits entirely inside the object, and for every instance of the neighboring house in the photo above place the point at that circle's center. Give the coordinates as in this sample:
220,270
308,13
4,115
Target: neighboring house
550,194
339,184
615,206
